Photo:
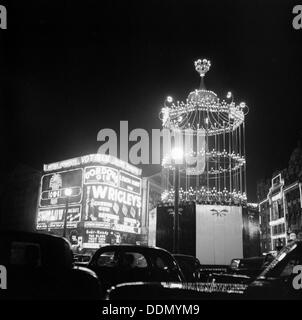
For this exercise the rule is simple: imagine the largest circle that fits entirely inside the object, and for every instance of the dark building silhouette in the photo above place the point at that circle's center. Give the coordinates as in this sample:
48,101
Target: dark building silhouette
19,197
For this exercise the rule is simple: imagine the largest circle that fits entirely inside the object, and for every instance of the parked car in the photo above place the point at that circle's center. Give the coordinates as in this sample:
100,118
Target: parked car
116,264
242,271
207,270
251,267
277,280
189,265
176,291
81,260
40,266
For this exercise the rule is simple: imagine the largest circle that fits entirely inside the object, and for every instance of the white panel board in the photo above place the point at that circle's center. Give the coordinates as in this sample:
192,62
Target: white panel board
218,234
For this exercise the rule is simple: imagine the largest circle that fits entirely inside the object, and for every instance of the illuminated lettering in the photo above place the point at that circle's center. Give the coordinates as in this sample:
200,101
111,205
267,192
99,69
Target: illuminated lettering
121,197
138,202
99,191
111,194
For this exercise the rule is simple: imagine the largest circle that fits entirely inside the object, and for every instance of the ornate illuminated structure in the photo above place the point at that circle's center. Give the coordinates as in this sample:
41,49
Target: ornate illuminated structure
211,133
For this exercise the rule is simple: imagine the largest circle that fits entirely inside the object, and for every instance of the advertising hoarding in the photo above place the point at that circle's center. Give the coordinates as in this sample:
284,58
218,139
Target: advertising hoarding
52,202
104,206
218,233
112,203
53,186
53,218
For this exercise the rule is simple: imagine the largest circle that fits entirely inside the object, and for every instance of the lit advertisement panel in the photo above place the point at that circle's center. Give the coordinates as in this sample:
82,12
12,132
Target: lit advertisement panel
112,205
94,238
52,204
130,183
101,175
53,218
54,184
104,207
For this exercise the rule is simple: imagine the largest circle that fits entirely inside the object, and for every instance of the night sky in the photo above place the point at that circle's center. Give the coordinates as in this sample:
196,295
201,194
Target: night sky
69,70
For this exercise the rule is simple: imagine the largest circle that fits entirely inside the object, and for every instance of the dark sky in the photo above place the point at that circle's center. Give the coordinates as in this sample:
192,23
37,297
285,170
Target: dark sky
72,68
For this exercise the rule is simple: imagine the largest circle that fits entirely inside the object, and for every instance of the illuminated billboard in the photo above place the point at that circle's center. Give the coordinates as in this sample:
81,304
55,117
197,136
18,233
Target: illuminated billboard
53,218
53,200
112,202
104,206
53,186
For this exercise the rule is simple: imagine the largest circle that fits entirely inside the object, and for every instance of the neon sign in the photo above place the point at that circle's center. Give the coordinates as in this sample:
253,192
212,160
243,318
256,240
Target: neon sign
53,218
92,159
101,175
53,186
106,199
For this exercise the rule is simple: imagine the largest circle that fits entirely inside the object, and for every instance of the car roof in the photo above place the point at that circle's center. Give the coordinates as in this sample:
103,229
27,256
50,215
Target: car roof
55,250
124,247
183,255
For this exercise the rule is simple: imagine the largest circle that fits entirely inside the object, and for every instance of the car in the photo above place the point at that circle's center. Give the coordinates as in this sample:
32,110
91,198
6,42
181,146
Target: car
277,280
115,264
189,265
176,291
207,270
40,266
249,266
81,259
242,271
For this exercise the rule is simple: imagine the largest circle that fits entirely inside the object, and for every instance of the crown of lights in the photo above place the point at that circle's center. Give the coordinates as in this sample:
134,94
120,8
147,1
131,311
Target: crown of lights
204,113
202,66
222,115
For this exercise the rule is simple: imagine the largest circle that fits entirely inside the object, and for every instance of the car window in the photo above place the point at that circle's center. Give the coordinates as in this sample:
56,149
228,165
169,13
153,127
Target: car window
25,253
133,260
160,263
107,259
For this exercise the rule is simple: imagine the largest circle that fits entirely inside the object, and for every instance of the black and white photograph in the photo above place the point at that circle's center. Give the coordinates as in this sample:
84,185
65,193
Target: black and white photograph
151,155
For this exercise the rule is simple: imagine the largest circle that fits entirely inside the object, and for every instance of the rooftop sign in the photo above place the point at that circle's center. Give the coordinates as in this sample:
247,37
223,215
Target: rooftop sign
92,159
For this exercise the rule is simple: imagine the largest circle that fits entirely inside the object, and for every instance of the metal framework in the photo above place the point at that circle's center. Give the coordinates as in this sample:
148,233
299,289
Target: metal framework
211,133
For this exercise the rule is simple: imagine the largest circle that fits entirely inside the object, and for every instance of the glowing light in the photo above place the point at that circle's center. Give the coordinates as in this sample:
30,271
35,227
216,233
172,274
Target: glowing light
169,99
177,154
68,192
242,105
202,66
229,95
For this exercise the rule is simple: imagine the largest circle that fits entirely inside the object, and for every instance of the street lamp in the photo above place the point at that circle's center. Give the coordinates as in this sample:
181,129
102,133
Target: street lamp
177,156
67,193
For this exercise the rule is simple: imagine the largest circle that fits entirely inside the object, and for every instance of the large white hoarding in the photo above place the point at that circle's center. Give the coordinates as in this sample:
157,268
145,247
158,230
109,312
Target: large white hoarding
218,234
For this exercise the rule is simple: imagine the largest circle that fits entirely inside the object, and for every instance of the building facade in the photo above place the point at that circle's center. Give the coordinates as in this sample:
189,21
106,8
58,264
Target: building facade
280,206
